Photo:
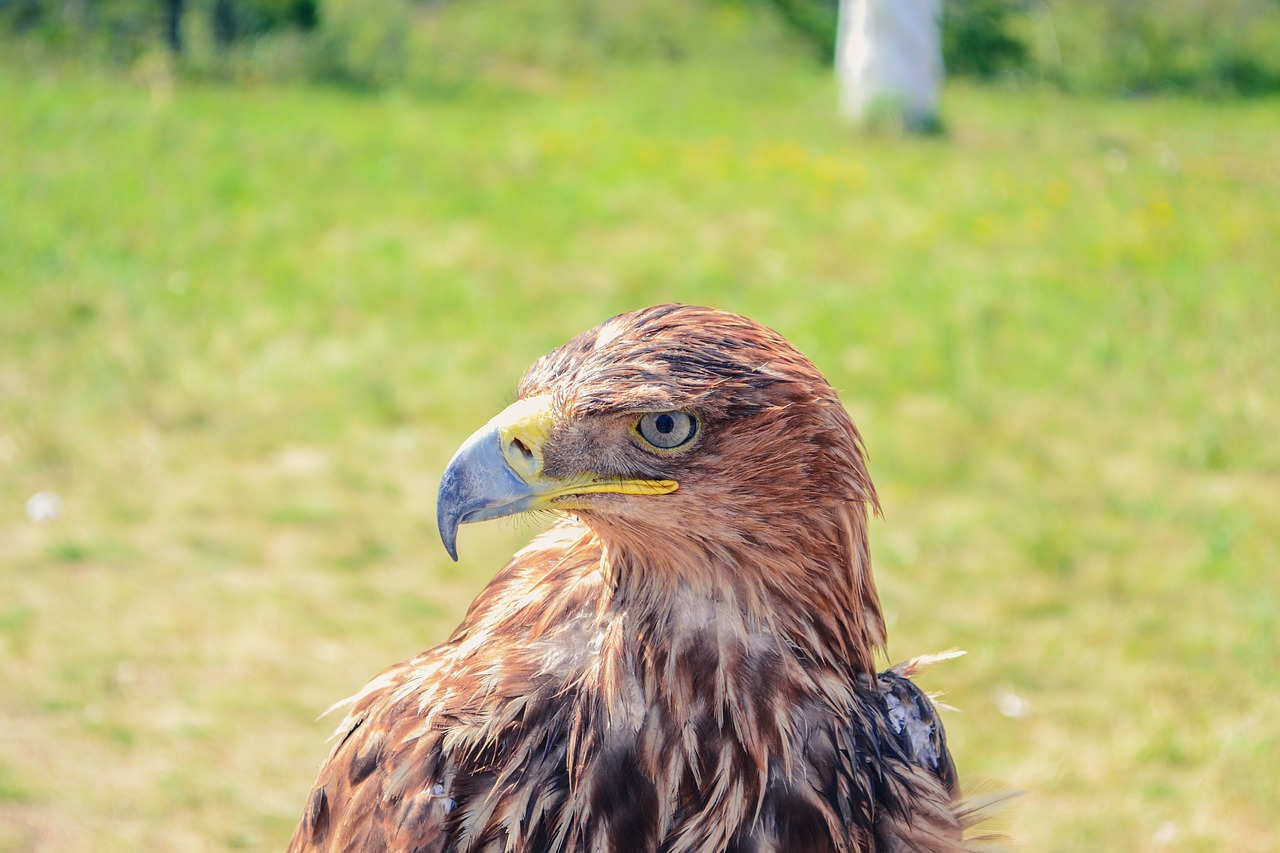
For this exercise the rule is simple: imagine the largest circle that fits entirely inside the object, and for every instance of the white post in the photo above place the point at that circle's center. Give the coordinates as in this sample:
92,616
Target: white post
889,60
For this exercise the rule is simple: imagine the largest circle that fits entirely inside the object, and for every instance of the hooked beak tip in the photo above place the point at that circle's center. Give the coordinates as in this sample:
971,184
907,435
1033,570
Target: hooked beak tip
447,520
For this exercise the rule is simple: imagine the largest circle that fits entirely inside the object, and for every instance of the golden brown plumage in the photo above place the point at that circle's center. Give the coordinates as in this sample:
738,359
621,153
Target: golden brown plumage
685,661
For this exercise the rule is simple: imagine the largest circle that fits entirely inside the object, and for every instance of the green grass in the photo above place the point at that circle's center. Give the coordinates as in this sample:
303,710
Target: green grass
241,332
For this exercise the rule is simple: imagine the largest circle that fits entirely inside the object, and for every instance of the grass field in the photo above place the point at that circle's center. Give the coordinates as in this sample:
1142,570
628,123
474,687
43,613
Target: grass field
241,332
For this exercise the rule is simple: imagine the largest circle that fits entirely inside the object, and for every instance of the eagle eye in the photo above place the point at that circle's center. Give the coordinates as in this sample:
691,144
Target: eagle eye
667,430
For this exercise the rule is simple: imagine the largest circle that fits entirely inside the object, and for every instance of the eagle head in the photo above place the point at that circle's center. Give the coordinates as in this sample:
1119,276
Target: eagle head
675,424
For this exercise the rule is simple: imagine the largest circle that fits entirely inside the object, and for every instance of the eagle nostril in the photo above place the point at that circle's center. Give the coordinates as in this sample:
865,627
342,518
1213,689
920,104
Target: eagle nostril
520,447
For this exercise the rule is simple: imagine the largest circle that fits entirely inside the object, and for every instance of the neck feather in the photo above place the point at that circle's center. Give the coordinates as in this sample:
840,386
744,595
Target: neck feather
807,588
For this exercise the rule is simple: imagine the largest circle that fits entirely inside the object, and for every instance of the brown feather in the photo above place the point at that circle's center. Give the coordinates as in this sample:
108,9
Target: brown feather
689,672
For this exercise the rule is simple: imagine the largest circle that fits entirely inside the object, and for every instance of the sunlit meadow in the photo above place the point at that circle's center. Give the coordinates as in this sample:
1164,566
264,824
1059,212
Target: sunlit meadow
241,332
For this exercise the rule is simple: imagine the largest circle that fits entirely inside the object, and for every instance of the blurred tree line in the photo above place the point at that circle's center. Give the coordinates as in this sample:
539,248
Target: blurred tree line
1215,47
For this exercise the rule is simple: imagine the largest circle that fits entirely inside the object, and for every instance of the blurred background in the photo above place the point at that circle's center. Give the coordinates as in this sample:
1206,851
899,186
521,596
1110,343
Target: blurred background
265,263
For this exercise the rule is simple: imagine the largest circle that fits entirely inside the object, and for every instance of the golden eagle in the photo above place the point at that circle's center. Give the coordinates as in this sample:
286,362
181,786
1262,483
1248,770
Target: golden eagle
685,661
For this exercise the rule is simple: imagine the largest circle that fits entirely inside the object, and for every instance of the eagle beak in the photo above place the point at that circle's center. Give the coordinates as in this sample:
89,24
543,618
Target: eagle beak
498,471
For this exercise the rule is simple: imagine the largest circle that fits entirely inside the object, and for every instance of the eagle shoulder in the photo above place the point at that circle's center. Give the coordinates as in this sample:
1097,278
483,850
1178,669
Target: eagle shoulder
426,754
